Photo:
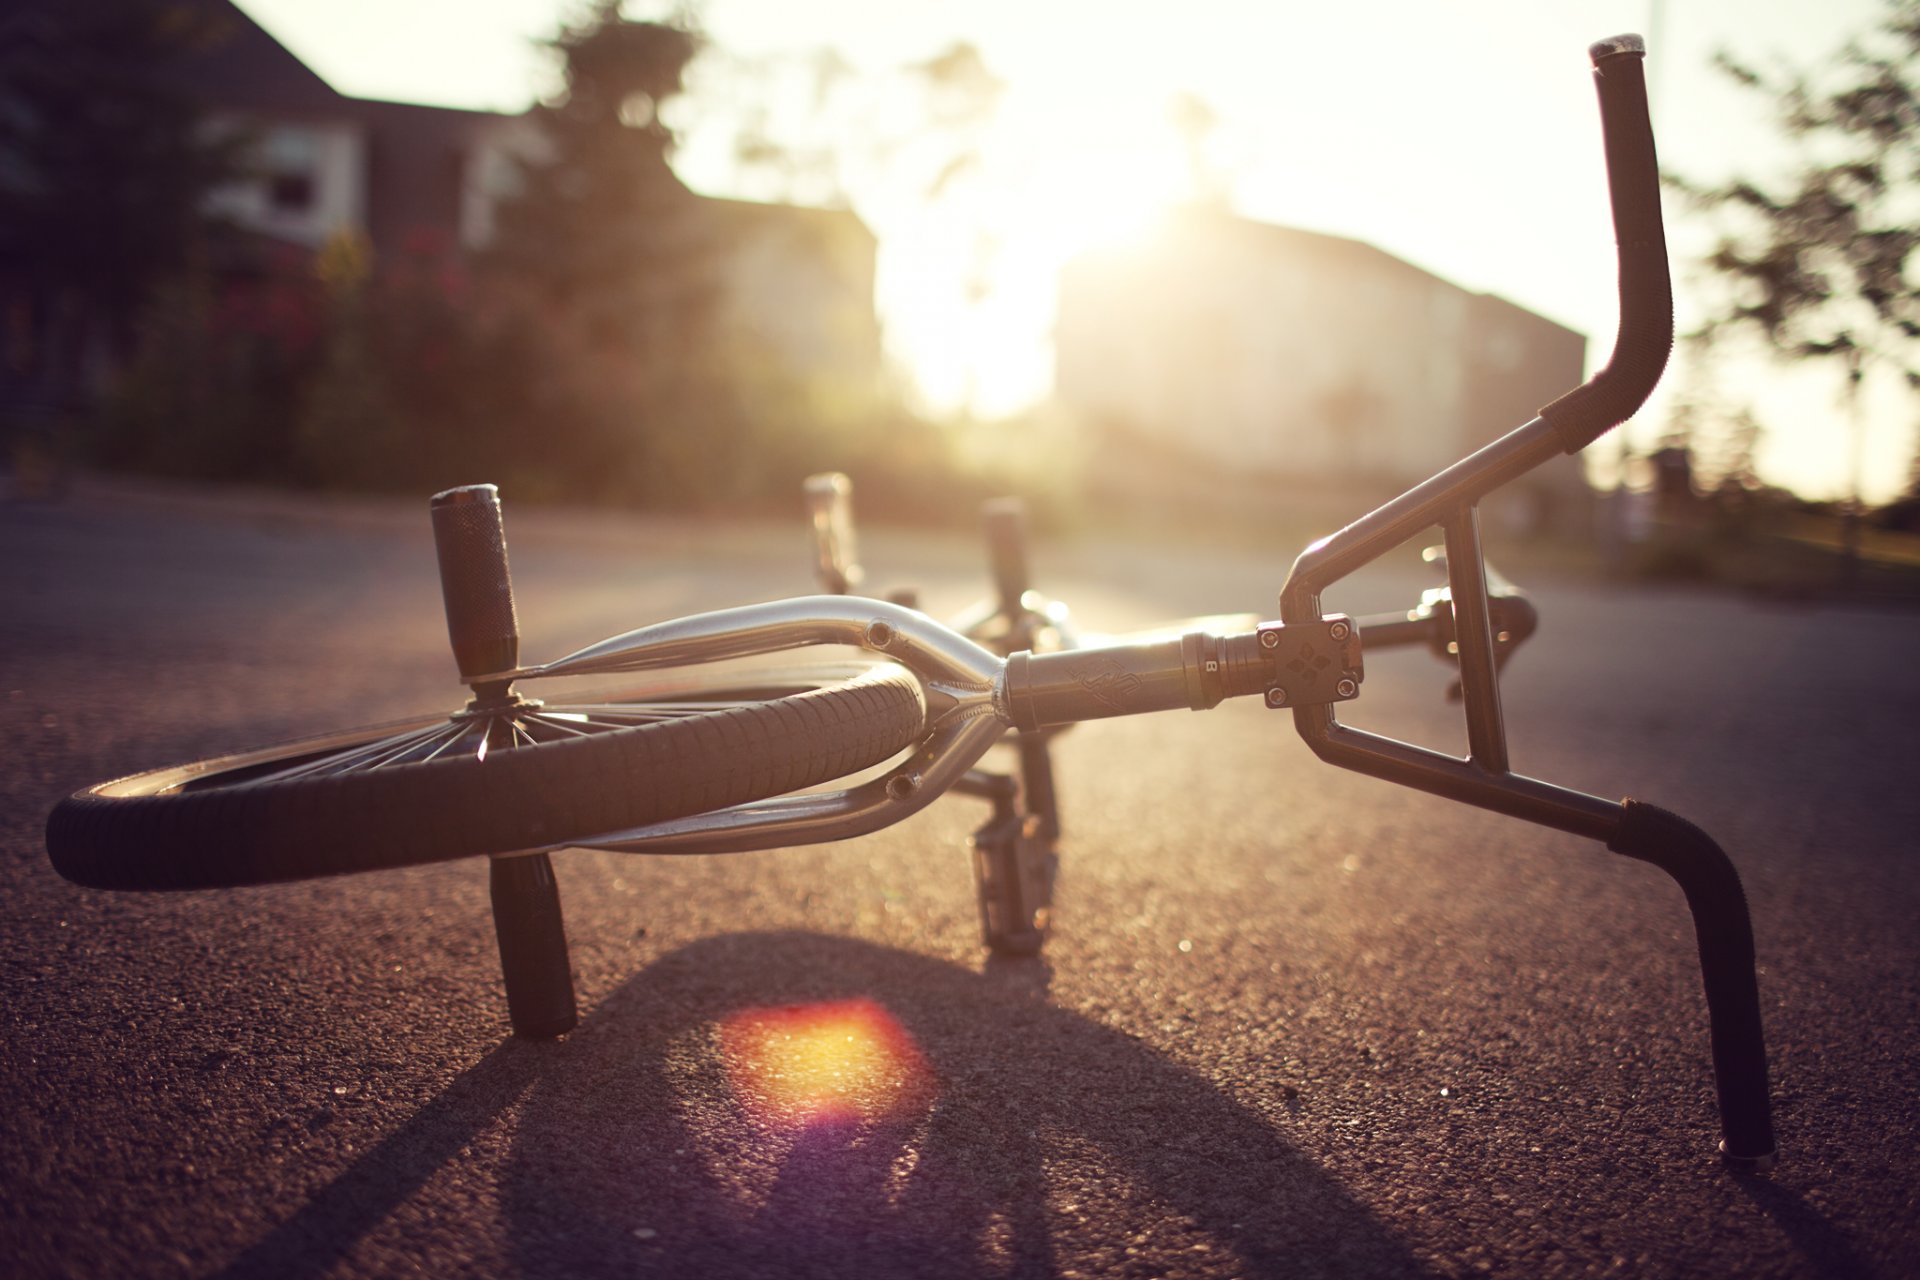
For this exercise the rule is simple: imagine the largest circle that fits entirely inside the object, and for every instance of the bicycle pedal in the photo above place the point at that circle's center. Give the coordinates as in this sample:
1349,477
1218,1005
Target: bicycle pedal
1014,869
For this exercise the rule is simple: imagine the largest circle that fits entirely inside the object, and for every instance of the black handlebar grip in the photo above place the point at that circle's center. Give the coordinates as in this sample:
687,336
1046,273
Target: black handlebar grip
1645,339
474,580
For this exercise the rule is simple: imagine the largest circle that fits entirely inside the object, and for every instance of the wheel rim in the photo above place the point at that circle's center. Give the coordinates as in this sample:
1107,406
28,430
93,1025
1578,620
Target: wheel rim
476,732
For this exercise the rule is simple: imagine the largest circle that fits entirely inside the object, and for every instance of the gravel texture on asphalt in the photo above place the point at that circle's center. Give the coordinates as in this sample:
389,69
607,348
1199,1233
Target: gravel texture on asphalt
1291,1021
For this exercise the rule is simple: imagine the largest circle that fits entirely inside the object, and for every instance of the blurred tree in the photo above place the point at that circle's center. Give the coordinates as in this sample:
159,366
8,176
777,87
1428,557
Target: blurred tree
344,433
105,169
905,147
601,225
617,259
789,119
811,128
1821,263
959,103
1198,123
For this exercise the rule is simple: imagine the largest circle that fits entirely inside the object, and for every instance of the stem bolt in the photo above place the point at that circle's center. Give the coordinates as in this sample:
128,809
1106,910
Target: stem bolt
1339,631
1346,688
1269,639
1276,697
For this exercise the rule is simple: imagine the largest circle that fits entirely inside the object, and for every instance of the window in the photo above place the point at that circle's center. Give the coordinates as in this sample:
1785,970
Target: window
291,160
290,192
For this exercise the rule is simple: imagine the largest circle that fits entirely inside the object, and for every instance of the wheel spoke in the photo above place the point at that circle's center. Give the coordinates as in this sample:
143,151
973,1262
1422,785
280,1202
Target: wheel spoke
451,742
649,710
428,748
606,720
387,757
547,724
568,725
346,761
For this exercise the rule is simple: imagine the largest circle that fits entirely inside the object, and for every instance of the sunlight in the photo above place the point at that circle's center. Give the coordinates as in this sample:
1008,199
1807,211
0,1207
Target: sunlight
1099,199
970,287
807,1064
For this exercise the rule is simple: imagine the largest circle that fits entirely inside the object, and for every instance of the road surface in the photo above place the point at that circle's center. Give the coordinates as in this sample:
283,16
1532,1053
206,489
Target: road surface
1291,1022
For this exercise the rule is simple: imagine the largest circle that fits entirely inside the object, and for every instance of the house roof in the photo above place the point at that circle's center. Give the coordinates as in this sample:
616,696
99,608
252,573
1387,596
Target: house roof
226,58
1217,226
236,63
1215,222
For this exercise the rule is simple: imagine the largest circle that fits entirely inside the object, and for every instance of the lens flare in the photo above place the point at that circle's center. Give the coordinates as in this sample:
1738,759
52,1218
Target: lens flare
832,1062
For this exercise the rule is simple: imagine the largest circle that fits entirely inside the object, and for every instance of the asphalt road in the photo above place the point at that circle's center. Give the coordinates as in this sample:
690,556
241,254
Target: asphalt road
1291,1022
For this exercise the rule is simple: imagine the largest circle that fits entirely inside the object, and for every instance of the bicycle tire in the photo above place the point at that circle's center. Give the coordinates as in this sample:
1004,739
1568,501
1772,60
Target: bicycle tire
238,820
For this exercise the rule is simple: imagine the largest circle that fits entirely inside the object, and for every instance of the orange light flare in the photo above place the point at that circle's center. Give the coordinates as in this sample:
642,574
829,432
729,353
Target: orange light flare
830,1063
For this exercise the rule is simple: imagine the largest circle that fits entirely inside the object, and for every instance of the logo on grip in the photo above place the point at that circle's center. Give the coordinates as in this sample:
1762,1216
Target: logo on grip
1107,682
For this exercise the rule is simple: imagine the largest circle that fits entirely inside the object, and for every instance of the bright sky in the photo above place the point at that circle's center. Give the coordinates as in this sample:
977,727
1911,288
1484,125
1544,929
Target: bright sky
1460,137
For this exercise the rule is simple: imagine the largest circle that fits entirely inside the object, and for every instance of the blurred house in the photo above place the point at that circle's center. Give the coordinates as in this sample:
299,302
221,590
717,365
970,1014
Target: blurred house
795,285
1317,367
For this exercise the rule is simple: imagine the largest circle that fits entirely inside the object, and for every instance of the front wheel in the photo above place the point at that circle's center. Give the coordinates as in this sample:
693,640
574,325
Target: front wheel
521,775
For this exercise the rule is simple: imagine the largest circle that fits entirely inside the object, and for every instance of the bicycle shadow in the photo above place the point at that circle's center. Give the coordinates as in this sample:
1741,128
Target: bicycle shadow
633,1153
638,1154
1815,1236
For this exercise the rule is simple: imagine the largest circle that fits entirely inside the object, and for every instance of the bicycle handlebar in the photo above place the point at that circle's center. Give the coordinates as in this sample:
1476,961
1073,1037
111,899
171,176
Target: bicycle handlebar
1645,336
474,579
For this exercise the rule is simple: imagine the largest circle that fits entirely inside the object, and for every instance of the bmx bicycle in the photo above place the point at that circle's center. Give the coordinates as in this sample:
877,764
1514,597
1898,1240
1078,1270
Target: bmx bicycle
736,714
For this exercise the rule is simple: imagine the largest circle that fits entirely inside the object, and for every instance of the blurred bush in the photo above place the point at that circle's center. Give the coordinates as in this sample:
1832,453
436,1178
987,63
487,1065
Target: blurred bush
331,374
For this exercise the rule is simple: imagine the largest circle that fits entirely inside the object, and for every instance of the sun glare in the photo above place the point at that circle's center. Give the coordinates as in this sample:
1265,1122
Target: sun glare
1096,199
970,290
820,1063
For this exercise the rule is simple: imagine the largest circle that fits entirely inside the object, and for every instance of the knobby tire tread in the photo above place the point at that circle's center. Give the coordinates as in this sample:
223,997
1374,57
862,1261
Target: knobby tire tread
523,798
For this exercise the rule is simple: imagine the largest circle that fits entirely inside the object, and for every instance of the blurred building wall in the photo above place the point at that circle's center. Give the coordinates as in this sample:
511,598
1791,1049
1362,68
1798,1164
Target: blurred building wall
1305,359
799,282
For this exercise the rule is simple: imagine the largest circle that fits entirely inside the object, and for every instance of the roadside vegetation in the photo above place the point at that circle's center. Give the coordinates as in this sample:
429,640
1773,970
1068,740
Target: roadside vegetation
1814,265
578,357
